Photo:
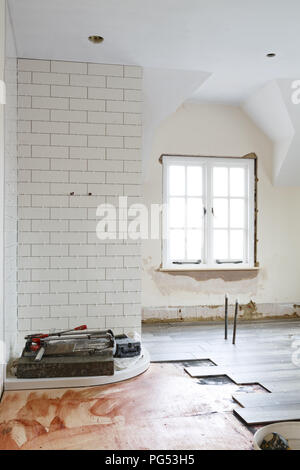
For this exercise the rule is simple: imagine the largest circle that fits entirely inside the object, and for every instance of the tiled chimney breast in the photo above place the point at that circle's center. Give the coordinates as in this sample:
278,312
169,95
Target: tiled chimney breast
79,131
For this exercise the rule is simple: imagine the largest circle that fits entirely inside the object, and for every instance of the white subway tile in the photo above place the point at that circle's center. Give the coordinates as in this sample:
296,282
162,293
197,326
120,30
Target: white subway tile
105,310
105,69
133,71
68,238
87,177
33,139
133,95
68,164
105,262
132,142
33,65
104,94
50,201
124,106
50,103
123,154
31,263
122,250
50,78
122,178
69,116
104,141
87,250
33,90
68,67
33,114
50,151
68,311
103,117
87,80
34,163
50,127
87,274
87,298
68,213
131,118
49,176
62,91
24,101
132,190
130,83
33,188
106,189
69,140
88,153
134,286
34,312
33,287
33,237
87,201
105,286
87,105
68,262
46,324
133,166
123,130
104,165
89,129
129,273
50,225
67,286
24,325
49,274
49,250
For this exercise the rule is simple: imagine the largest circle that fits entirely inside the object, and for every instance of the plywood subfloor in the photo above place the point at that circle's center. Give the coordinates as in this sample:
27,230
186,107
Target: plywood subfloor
262,355
164,408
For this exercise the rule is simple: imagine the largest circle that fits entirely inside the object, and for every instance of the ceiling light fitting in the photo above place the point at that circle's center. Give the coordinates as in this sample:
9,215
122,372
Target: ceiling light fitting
96,39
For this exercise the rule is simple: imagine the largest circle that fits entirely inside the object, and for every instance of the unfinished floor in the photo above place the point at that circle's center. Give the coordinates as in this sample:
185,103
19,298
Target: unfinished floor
166,407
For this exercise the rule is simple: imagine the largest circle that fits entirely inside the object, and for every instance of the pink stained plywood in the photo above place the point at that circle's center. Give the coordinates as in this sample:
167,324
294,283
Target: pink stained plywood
162,409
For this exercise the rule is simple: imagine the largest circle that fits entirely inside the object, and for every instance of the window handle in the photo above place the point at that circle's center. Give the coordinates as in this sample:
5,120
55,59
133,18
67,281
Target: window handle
218,261
212,211
187,262
204,210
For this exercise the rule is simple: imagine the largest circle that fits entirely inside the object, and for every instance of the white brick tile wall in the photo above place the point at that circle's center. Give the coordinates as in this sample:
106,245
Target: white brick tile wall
79,132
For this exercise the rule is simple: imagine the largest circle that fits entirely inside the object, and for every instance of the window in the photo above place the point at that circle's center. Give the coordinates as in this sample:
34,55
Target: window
208,219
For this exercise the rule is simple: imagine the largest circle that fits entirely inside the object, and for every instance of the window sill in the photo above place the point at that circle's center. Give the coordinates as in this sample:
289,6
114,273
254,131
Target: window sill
190,269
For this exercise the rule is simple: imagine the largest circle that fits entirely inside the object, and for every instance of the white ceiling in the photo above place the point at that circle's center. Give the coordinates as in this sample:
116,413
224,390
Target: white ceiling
227,38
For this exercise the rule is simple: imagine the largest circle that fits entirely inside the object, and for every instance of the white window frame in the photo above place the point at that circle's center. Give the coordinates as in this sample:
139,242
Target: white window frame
208,163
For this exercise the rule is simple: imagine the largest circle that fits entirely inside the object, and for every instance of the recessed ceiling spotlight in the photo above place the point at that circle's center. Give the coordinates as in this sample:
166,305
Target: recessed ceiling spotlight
96,39
271,54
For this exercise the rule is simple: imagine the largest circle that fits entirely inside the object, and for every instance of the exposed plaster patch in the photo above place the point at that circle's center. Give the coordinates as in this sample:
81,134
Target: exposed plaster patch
204,282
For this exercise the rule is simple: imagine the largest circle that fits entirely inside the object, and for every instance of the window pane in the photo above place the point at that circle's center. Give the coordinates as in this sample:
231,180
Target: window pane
177,244
194,181
237,244
237,182
220,244
220,213
194,245
194,212
220,181
237,213
177,212
177,180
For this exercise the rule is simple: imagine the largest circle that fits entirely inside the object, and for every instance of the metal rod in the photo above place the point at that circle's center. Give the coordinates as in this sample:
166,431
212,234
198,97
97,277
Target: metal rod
235,320
226,316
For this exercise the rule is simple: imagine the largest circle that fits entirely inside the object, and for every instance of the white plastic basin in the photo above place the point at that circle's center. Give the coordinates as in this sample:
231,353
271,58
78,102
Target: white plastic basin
289,430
